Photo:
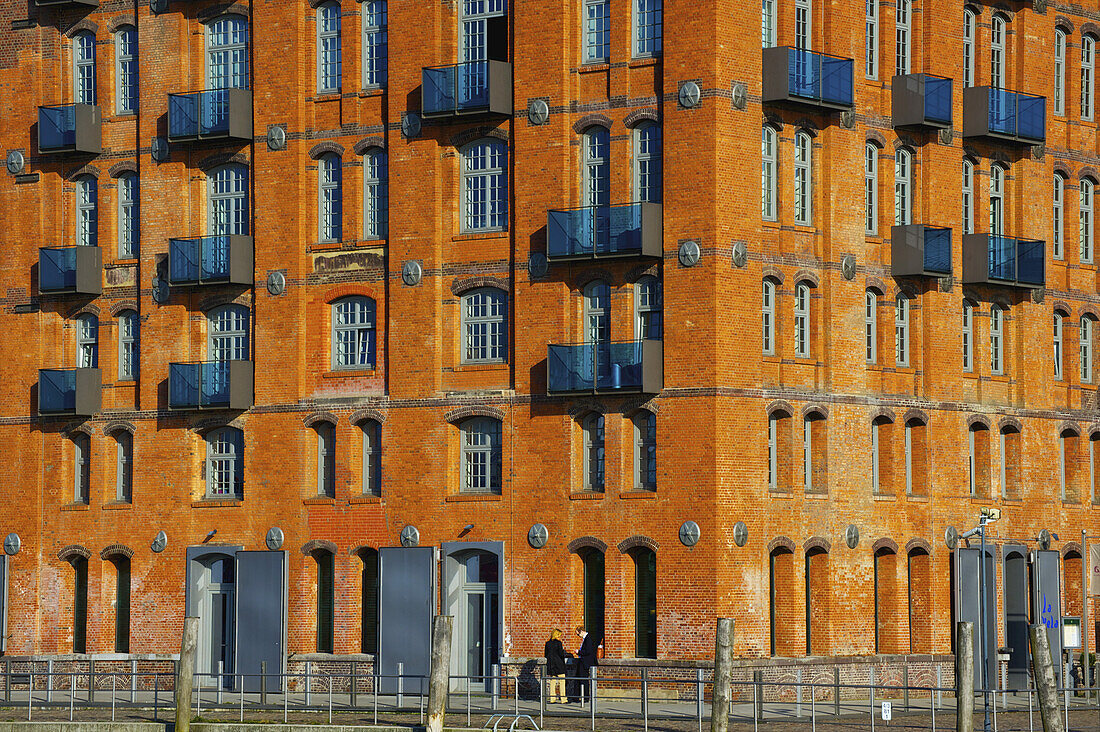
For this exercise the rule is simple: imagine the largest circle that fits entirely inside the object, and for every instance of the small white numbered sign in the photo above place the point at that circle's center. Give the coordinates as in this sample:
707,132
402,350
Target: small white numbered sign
887,711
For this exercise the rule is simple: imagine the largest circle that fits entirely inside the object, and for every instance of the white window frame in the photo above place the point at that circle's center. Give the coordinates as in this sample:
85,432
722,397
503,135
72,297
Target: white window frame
597,31
353,333
597,305
87,341
485,186
967,196
228,210
996,341
227,53
645,450
1058,215
375,43
870,188
870,68
376,194
996,200
970,24
126,70
968,336
596,168
129,221
773,451
802,320
648,27
485,326
326,459
909,455
82,467
593,453
647,139
902,22
803,179
648,309
372,457
84,68
1062,437
329,50
1059,344
903,187
129,338
768,173
803,24
997,31
87,211
1088,74
870,326
973,463
767,317
876,478
1084,338
1059,102
481,456
227,333
808,453
901,330
225,463
330,204
124,466
1087,191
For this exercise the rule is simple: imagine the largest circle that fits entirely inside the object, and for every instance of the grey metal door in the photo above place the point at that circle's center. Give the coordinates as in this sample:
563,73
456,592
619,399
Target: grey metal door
968,596
1046,599
4,602
1016,597
261,611
406,604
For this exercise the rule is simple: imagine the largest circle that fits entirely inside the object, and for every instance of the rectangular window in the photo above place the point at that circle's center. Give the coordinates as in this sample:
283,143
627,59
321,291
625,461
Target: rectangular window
328,48
126,71
773,452
870,188
970,23
996,341
902,18
375,45
326,601
968,337
1058,216
803,24
876,478
767,318
1059,72
909,458
803,204
122,604
1087,66
901,331
372,458
1085,221
870,326
647,28
807,456
80,605
1086,349
483,317
1058,346
768,175
326,460
968,197
597,30
802,321
871,70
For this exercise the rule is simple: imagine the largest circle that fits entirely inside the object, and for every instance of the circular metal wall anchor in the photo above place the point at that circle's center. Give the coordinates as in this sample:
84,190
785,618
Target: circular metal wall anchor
410,536
1044,539
1038,294
412,272
16,162
1038,151
276,283
689,533
847,119
538,112
947,134
536,264
951,537
159,149
12,544
160,290
160,541
740,253
537,536
740,533
739,94
274,538
689,95
851,536
158,6
276,138
689,253
848,267
410,124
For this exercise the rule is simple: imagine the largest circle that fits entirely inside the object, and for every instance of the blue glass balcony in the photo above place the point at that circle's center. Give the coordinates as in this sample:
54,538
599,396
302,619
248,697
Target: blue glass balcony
921,100
210,260
210,115
1004,115
596,232
1003,260
918,250
605,367
69,391
474,87
210,385
807,78
78,270
66,128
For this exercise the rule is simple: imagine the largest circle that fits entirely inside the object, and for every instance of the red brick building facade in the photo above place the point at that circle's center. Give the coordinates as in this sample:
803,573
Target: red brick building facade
376,249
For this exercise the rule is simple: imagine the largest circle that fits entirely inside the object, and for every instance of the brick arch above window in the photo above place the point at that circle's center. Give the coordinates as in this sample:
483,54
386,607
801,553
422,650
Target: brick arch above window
910,145
590,275
123,166
1088,172
319,417
87,308
640,115
459,287
883,413
1090,311
977,419
781,542
636,541
877,285
210,162
457,415
315,3
119,425
368,143
918,545
460,139
780,405
1090,29
81,26
586,542
805,275
328,146
77,428
202,427
116,550
1060,306
819,409
207,304
1072,547
772,119
1063,23
884,543
592,120
349,290
1063,168
1094,431
216,11
642,270
1006,13
771,273
82,171
1009,424
364,415
314,545
806,125
640,404
121,21
1068,426
816,544
907,288
358,551
121,306
587,406
73,552
918,414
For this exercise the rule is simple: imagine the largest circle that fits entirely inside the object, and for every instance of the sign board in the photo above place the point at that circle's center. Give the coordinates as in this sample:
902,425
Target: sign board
887,711
1071,633
1094,573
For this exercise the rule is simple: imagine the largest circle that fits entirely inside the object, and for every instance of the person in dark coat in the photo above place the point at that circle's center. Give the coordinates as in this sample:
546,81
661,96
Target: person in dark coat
586,657
555,667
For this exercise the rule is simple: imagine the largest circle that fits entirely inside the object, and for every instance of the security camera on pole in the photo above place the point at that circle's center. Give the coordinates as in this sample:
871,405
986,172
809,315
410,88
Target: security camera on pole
987,516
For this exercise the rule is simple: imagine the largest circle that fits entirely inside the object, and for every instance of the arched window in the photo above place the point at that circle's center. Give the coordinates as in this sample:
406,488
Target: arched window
372,457
768,176
887,622
369,601
645,451
803,186
647,309
647,28
967,197
227,333
481,446
484,326
80,604
328,48
82,467
997,52
802,320
129,226
84,72
228,211
353,333
903,29
1058,215
818,590
122,603
1068,461
1085,339
1059,71
87,211
903,194
882,465
592,453
375,44
870,326
916,464
227,53
597,31
128,342
645,602
1087,190
803,24
970,24
376,194
1088,67
126,70
326,459
779,451
87,341
1059,344
330,198
919,583
814,463
767,317
1010,462
597,184
225,463
326,599
767,23
647,162
597,297
901,330
979,460
996,200
594,598
870,187
124,466
968,336
485,186
785,618
996,340
871,27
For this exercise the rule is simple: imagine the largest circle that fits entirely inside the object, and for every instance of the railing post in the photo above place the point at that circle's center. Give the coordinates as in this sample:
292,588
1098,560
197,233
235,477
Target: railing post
114,689
72,698
592,695
133,679
495,685
30,691
7,682
309,682
263,683
758,696
91,681
49,680
871,688
699,698
400,684
354,668
836,691
220,682
798,693
645,697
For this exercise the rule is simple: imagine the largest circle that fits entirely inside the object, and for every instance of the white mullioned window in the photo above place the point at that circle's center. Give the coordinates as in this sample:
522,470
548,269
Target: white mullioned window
375,43
228,210
84,73
128,345
970,24
592,430
1058,215
126,70
802,320
596,145
645,451
372,457
901,331
997,52
967,197
871,67
124,466
376,194
82,467
227,333
87,211
597,30
353,333
485,186
481,451
225,463
803,184
597,297
648,305
87,341
1085,229
808,452
996,340
870,187
767,23
647,162
1088,67
1059,71
647,28
996,200
902,17
227,53
1059,344
968,336
329,63
767,317
484,318
876,478
803,24
1085,340
129,228
768,174
773,451
330,198
870,326
326,459
903,193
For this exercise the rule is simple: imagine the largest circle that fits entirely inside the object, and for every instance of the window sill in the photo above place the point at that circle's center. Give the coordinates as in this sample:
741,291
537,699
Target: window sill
345,245
475,235
494,366
639,493
644,61
772,358
122,262
1073,504
125,384
122,117
917,499
999,378
887,497
364,500
780,494
1013,501
217,503
586,496
75,507
327,96
770,224
980,500
594,66
375,91
970,375
816,496
118,506
474,497
348,373
319,501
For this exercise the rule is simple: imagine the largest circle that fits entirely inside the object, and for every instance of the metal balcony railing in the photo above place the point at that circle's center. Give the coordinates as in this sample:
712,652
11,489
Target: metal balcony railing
70,128
76,269
798,75
208,260
210,385
592,232
467,88
1003,260
1004,114
210,114
918,250
66,3
69,391
922,100
604,366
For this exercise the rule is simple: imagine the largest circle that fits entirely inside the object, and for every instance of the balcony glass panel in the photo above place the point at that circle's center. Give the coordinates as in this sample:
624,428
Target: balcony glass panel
198,113
594,366
57,268
937,250
594,231
1017,114
57,390
57,127
1016,260
198,385
456,88
819,76
202,259
937,99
